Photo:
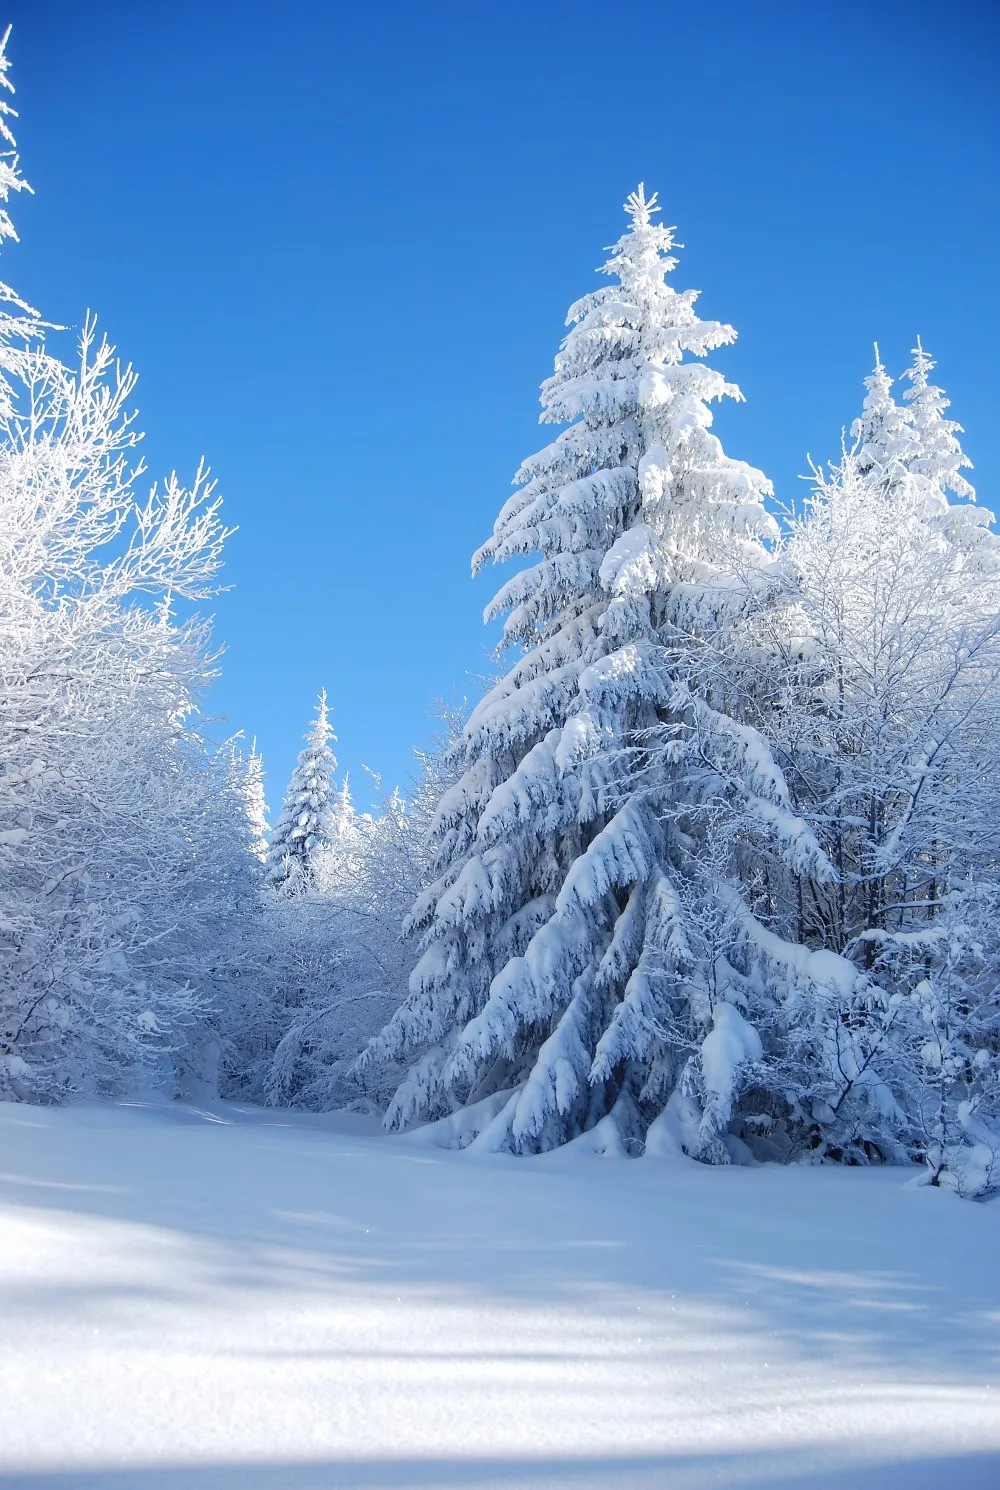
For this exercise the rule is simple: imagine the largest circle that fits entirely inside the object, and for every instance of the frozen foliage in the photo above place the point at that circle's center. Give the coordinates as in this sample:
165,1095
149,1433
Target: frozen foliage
722,855
560,961
881,981
256,805
714,868
303,825
17,320
317,973
119,831
122,834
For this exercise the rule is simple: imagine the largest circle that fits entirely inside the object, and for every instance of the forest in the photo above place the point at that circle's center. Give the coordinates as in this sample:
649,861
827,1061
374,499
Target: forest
711,868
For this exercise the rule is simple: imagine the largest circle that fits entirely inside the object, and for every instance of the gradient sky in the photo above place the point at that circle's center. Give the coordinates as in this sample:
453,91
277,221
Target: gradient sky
338,241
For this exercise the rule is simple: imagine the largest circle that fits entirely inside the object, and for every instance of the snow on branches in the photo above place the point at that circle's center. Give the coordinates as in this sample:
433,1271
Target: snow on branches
559,854
712,868
708,876
121,828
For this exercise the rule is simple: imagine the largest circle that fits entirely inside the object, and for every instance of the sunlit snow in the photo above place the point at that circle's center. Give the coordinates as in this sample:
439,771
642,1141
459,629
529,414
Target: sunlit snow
227,1298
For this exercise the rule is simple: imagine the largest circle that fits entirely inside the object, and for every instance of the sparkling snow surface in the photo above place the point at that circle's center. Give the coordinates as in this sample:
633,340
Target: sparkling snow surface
212,1300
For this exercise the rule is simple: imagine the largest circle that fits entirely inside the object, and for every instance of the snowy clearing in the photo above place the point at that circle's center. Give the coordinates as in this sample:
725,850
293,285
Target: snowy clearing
227,1298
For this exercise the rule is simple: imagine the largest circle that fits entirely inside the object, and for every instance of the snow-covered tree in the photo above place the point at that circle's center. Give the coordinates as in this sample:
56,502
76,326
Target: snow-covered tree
114,831
18,321
936,465
887,730
256,805
121,841
937,456
318,973
303,825
557,978
883,434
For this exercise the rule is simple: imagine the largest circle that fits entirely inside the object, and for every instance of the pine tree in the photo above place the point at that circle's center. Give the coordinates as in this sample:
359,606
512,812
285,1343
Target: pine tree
342,814
939,458
558,978
937,463
256,804
317,974
303,824
883,433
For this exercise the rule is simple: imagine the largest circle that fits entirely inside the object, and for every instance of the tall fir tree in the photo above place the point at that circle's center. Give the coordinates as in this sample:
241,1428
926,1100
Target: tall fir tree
937,463
938,457
256,804
303,826
883,432
558,978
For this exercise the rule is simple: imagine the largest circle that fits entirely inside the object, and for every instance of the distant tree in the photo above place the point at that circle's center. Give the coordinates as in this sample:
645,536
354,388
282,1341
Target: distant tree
319,972
256,804
303,825
937,459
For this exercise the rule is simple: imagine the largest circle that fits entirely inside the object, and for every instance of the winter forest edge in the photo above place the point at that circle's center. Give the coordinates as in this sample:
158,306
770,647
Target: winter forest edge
711,869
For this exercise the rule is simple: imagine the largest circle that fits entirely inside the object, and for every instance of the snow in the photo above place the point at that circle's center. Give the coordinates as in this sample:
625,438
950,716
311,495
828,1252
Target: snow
222,1297
729,1043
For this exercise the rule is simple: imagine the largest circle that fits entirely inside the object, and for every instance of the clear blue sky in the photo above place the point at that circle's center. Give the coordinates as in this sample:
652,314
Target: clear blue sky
338,240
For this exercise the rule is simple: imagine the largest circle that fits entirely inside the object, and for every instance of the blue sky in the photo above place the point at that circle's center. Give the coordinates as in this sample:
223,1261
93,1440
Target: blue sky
338,241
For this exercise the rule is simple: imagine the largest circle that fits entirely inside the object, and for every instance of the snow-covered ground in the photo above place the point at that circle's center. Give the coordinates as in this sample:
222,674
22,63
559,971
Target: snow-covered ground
219,1299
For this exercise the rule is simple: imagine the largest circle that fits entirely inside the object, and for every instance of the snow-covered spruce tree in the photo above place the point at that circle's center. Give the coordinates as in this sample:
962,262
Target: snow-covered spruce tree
302,825
883,435
937,457
334,967
936,466
886,1015
256,804
557,977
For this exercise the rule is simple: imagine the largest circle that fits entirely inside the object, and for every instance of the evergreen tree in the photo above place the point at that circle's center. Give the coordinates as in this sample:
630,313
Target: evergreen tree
318,973
557,976
937,463
256,804
938,458
303,825
883,434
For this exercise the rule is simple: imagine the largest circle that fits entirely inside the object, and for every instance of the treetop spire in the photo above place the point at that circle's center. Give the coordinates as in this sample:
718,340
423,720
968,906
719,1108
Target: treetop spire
640,207
322,717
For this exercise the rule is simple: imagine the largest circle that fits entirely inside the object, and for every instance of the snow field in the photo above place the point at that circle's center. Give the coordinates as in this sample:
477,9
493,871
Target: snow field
227,1297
